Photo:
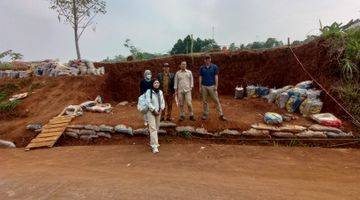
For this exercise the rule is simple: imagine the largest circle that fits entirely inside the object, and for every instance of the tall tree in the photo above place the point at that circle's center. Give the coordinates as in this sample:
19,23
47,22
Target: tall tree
199,45
79,14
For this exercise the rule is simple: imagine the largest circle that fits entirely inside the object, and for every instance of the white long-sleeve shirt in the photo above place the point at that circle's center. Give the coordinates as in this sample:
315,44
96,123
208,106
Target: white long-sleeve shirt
156,102
183,81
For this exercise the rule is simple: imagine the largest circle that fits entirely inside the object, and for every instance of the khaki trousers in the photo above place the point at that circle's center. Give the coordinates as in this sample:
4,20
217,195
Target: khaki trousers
154,125
210,90
185,97
168,105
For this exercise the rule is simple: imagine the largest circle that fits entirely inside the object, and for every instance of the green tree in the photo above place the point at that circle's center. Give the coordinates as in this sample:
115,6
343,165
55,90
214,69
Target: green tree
79,14
11,55
137,54
233,47
199,45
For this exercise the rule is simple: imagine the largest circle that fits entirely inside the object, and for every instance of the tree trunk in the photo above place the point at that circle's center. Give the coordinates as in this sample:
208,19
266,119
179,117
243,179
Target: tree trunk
76,30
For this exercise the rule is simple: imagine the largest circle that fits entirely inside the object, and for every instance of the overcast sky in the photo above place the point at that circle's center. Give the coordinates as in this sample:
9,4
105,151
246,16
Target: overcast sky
31,28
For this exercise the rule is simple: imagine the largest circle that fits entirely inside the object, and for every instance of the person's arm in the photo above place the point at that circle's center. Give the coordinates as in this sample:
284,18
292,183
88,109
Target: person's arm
191,80
216,81
148,99
216,77
176,83
162,101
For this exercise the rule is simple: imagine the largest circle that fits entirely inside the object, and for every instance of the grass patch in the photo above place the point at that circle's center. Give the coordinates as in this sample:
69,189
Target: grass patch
186,134
9,106
3,96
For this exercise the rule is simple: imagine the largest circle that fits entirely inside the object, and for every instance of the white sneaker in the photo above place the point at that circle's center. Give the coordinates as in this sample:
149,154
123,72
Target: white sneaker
155,150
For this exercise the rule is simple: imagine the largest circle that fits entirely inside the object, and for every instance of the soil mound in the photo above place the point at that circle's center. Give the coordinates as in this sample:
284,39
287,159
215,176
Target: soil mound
272,68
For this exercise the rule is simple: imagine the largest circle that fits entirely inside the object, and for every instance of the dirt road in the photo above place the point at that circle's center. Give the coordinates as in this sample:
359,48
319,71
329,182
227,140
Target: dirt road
192,171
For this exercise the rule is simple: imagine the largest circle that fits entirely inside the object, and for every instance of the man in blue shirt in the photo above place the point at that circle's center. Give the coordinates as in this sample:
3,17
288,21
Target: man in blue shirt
208,84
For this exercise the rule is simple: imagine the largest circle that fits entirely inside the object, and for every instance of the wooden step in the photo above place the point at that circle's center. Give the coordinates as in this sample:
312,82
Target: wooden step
43,139
50,133
44,135
47,130
47,126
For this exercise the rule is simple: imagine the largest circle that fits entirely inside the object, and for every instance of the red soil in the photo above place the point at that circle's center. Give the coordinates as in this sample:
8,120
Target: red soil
272,68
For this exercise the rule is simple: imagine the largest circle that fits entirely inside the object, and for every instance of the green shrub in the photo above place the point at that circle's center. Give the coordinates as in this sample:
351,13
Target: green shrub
9,106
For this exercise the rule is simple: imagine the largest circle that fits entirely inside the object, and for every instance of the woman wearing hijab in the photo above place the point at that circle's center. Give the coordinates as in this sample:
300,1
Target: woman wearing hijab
146,84
156,105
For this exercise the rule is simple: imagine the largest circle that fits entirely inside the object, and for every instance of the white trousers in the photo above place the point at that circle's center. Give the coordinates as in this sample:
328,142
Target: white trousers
154,125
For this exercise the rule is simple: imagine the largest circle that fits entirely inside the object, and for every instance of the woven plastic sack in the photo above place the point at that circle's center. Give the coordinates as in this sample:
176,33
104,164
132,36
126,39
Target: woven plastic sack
311,106
305,85
239,93
251,91
313,94
297,92
262,91
282,99
273,118
293,103
327,119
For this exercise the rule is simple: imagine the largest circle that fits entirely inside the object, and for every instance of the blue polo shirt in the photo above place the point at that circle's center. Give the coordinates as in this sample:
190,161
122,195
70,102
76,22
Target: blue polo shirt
208,74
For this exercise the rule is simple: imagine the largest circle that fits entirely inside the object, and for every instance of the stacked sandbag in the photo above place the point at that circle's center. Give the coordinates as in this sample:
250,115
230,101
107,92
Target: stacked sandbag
123,129
256,133
331,132
89,132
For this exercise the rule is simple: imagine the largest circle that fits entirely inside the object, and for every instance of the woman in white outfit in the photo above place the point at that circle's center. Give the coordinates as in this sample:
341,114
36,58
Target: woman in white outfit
156,105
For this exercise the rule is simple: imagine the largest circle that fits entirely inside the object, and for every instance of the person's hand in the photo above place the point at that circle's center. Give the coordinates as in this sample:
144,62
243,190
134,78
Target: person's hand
156,113
216,88
200,89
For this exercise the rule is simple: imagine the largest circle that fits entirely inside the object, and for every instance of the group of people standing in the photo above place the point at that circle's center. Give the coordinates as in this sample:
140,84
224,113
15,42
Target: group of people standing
160,94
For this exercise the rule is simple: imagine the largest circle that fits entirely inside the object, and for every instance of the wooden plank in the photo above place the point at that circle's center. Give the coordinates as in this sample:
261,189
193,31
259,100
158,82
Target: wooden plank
43,135
46,130
40,144
61,117
58,121
55,125
43,139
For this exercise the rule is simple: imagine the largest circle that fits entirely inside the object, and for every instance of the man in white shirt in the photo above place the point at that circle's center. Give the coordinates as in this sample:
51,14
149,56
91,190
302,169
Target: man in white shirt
183,84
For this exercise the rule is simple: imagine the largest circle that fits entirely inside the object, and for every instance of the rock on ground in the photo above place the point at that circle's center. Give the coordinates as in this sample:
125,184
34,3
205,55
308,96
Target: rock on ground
33,127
